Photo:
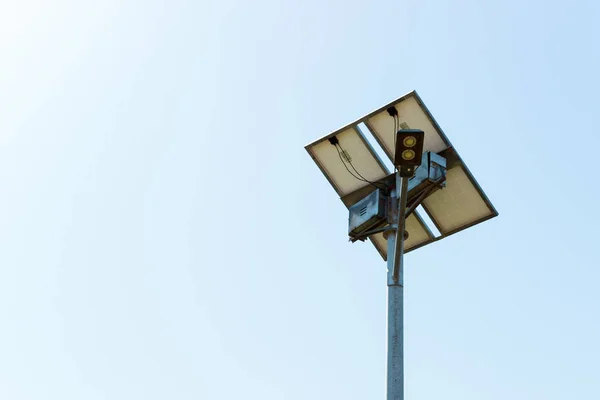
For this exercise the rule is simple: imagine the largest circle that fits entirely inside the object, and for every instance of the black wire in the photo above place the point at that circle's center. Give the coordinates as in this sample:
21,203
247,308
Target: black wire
362,178
342,160
350,162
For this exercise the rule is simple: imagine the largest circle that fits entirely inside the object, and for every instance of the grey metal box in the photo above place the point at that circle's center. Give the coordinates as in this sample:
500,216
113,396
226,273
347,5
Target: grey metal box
368,213
433,167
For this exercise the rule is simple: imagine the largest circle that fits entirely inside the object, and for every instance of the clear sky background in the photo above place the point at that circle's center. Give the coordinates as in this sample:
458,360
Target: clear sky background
164,235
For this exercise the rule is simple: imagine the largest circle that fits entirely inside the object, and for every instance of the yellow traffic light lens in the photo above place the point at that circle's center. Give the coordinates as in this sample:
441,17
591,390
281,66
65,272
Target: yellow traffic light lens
408,155
409,141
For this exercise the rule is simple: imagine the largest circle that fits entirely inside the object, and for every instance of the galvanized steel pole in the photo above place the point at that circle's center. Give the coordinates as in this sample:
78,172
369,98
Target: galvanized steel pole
395,282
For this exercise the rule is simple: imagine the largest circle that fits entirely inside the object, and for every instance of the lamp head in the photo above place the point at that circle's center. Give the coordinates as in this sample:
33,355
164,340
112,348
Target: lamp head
409,149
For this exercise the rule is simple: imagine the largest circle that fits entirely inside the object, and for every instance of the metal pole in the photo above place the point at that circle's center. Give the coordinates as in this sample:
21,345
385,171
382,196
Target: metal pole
395,282
402,185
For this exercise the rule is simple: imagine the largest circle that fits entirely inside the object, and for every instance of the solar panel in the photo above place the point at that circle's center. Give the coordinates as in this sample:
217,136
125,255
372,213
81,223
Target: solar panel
459,205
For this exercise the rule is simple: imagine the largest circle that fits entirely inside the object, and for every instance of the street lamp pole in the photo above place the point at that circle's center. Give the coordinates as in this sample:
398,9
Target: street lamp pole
395,283
353,168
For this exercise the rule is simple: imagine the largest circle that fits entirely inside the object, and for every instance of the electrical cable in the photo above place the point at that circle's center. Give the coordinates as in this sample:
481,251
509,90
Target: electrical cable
340,150
344,163
352,165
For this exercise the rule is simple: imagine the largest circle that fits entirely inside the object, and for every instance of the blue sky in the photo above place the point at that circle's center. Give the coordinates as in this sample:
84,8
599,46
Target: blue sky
164,235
